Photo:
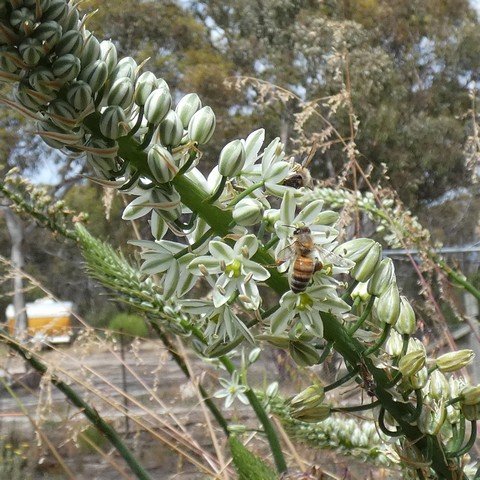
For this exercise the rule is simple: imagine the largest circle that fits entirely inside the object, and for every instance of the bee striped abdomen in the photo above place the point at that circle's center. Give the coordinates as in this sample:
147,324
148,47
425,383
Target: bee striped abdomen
302,273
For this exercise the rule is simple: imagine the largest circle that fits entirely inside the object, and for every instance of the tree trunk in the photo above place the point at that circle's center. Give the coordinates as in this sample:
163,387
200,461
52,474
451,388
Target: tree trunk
15,231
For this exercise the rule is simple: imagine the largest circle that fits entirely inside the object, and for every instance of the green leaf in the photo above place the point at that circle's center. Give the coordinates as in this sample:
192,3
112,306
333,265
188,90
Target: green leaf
248,465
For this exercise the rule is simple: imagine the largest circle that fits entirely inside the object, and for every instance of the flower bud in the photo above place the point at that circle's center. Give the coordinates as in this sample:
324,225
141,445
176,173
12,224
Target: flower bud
187,107
438,387
202,125
121,93
145,85
113,122
387,306
384,275
108,53
126,67
232,159
270,217
312,415
91,49
48,33
70,22
79,95
452,361
31,51
414,345
23,95
10,60
95,75
394,344
254,355
170,131
157,105
161,164
356,249
57,10
303,354
419,379
326,217
471,412
411,363
311,397
67,67
272,390
406,322
41,80
453,414
470,395
22,20
432,418
71,42
248,211
62,114
360,291
365,267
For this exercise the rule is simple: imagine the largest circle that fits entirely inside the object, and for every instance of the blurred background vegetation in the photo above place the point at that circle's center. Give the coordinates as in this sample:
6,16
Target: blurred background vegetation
411,68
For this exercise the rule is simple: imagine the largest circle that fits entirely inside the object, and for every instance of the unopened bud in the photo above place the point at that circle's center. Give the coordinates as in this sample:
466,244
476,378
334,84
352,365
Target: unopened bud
157,105
108,53
70,22
71,42
248,211
270,217
360,291
453,414
326,217
202,125
254,354
432,418
383,277
187,107
67,67
406,322
419,379
79,95
394,344
272,390
62,114
126,67
95,75
365,267
48,33
121,93
22,19
356,249
146,84
232,159
387,306
91,49
31,51
41,80
113,122
161,164
56,10
170,131
312,415
311,397
470,395
452,361
438,387
411,363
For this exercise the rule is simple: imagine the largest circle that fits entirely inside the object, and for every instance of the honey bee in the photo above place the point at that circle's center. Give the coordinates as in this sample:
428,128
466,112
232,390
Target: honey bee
300,175
307,258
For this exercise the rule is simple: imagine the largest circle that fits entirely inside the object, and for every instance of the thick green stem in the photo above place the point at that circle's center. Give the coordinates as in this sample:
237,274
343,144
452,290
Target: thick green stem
92,415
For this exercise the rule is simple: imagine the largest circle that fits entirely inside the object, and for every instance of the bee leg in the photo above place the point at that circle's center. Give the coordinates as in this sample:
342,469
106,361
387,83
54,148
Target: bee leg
318,265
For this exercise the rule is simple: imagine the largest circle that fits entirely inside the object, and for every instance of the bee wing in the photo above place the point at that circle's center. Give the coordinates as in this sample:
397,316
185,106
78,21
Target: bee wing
326,256
286,253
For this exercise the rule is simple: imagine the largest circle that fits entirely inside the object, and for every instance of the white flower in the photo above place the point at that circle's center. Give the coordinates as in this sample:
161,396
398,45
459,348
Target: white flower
306,306
222,322
232,389
237,273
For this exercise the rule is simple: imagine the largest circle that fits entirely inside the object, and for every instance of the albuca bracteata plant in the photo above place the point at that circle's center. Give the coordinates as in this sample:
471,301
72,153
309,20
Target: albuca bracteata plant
237,229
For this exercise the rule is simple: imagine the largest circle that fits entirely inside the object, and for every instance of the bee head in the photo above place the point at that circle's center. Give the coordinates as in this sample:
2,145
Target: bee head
300,230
